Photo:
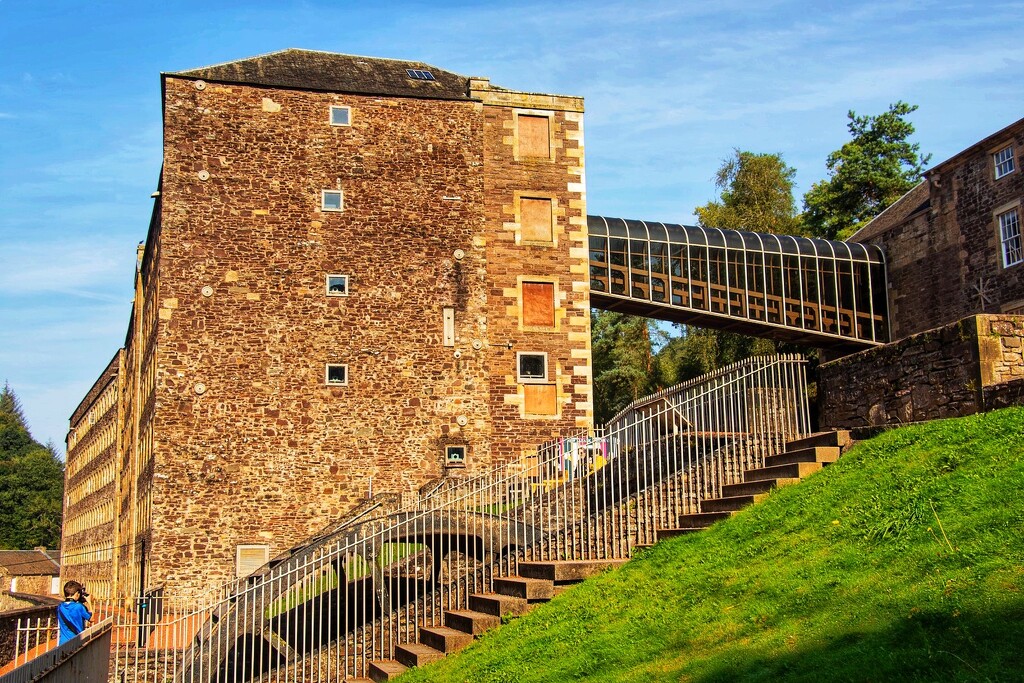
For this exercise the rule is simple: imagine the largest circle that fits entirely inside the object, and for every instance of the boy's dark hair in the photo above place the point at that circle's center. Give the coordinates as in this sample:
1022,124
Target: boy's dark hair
71,587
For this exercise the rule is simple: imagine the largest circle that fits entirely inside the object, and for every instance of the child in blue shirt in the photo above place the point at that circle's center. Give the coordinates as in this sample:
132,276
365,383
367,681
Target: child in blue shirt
72,614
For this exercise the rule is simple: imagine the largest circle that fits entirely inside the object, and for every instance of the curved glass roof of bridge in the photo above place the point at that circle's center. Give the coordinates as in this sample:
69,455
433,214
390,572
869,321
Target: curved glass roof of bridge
823,293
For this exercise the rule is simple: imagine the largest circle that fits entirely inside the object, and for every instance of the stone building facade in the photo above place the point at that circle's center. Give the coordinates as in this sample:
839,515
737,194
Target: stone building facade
360,274
89,536
954,243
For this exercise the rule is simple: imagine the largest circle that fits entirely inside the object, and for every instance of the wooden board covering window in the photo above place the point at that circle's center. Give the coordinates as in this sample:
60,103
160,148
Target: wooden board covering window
540,399
534,137
538,304
535,217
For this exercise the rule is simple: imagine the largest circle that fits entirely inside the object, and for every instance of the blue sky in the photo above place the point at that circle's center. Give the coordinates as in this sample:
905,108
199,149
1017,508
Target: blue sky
670,88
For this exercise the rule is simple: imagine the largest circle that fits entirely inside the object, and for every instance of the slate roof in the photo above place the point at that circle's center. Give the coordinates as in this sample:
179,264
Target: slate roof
27,563
917,199
332,72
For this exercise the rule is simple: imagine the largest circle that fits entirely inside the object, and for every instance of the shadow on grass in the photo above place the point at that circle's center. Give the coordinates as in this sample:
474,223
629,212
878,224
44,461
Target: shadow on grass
926,646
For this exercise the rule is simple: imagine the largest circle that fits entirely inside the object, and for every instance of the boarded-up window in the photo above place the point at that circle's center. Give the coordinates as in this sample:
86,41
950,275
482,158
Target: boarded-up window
249,558
534,137
535,217
538,304
540,399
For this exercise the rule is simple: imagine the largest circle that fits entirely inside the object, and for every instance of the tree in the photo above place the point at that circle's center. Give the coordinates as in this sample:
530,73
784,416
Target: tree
623,361
31,482
866,175
756,193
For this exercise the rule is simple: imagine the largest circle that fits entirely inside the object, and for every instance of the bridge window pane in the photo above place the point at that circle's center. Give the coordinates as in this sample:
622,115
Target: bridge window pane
536,219
828,295
538,304
617,257
659,271
845,313
639,282
809,278
755,285
717,296
737,282
697,273
598,264
791,282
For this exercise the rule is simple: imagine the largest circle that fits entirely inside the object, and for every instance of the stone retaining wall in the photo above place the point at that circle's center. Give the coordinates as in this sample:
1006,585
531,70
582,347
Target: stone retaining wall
967,367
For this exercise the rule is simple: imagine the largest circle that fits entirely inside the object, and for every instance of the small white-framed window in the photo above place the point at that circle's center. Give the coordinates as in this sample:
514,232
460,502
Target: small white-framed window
337,285
249,558
331,200
336,375
341,115
1003,161
531,367
1010,237
455,456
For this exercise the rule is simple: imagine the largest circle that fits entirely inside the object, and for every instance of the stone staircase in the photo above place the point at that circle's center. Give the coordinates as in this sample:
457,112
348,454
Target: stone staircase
801,458
514,596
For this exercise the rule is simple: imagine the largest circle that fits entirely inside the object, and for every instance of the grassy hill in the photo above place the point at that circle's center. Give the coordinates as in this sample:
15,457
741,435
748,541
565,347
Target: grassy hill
904,561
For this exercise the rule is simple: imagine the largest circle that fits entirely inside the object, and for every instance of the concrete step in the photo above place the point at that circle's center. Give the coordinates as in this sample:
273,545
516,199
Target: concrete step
756,487
416,654
839,438
386,669
530,590
444,639
498,605
566,571
662,534
470,621
700,520
796,470
822,454
731,503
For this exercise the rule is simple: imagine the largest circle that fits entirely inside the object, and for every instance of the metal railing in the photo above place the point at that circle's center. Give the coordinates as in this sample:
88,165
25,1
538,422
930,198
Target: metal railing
353,595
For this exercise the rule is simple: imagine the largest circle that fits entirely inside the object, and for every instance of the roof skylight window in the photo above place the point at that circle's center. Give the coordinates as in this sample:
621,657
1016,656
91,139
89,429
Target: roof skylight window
420,75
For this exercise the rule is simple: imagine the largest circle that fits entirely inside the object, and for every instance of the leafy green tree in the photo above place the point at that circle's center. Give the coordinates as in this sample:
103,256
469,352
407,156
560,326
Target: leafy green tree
756,193
31,482
866,175
623,360
699,350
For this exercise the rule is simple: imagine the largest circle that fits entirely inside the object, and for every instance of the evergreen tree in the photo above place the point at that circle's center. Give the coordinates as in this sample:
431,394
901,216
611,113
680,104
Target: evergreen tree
622,360
756,194
866,175
31,482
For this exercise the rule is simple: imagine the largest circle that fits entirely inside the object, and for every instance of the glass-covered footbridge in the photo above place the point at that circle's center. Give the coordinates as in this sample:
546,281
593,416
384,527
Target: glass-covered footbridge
818,292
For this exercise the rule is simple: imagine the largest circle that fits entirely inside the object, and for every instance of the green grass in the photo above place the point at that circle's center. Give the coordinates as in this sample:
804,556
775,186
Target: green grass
904,561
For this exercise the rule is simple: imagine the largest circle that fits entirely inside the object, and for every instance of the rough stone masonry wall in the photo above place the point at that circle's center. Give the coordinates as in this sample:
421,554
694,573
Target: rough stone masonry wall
511,258
251,445
945,262
958,369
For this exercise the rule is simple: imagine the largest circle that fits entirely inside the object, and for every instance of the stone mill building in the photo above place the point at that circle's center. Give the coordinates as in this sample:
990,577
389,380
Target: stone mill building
359,273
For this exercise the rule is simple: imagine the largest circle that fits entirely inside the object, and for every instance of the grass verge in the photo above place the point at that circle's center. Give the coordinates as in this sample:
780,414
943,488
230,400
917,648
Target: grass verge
902,561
